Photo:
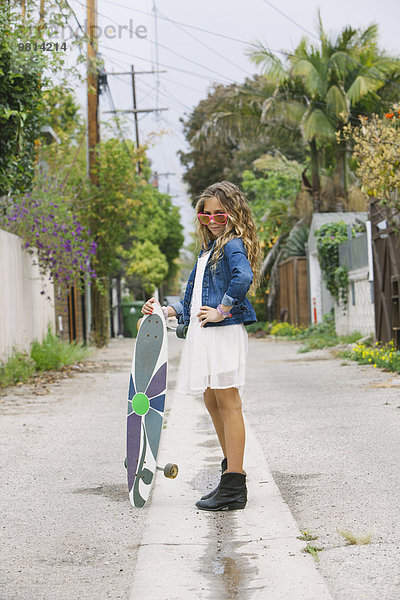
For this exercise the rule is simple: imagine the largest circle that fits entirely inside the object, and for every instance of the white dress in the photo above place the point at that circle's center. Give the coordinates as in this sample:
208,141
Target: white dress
212,357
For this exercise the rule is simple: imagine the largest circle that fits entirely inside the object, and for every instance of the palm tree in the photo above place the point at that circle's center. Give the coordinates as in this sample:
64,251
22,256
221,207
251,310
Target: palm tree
340,77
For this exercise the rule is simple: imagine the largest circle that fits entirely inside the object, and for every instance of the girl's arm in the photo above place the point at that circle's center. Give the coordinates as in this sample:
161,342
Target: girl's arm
147,308
241,273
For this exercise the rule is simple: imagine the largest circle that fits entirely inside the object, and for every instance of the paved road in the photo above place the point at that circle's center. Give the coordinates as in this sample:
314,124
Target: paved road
329,433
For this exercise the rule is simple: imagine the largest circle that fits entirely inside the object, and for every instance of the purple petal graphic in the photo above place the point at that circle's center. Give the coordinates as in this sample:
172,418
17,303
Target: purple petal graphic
158,383
132,390
133,446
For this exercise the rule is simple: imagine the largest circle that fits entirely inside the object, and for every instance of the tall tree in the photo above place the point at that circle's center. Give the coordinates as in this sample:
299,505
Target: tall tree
226,133
340,78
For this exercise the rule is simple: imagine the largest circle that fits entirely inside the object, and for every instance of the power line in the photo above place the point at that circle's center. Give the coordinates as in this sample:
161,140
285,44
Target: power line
208,47
156,44
286,16
163,65
165,78
290,19
163,92
165,18
112,106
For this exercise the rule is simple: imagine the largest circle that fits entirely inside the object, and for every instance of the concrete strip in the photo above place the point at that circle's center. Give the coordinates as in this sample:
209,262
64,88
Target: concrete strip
186,553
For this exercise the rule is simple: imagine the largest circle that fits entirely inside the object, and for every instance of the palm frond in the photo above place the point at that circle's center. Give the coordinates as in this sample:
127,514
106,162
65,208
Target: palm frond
308,71
316,125
271,257
271,65
337,103
342,62
277,108
361,86
278,163
296,241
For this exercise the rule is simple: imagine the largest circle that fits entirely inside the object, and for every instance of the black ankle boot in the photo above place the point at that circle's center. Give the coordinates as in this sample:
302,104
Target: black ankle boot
231,494
224,466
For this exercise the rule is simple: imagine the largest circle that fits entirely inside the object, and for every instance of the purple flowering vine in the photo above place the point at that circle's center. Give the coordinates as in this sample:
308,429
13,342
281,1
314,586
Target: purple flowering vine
62,244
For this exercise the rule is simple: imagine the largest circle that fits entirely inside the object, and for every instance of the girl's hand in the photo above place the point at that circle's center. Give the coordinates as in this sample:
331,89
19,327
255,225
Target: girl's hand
209,315
147,307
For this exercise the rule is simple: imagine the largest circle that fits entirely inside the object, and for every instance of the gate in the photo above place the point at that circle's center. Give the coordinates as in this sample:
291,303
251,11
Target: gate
293,291
386,254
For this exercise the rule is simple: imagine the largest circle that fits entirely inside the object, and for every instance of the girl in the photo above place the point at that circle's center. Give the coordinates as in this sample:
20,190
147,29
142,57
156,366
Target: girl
215,307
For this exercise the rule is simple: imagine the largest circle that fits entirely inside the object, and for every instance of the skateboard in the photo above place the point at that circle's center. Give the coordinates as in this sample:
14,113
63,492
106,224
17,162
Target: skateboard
146,402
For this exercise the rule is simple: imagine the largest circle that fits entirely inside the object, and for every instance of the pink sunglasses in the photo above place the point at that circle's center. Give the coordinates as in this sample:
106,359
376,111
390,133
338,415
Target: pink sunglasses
219,218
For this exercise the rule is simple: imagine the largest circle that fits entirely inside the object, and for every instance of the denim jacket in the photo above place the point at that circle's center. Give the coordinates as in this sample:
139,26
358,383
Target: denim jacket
227,285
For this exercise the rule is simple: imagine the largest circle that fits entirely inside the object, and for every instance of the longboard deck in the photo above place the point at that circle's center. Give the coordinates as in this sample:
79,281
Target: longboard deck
146,401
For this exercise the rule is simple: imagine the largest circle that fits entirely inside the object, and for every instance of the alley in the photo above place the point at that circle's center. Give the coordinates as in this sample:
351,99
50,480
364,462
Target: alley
326,429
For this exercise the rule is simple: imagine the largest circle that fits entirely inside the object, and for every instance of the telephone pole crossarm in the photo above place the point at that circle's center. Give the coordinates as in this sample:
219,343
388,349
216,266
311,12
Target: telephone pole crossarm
135,110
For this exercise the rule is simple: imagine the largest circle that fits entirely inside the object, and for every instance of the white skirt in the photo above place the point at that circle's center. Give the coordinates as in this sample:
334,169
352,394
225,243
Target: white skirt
212,357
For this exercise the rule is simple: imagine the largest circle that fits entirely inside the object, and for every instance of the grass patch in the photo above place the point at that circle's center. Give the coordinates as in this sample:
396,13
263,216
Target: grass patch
353,539
51,354
18,368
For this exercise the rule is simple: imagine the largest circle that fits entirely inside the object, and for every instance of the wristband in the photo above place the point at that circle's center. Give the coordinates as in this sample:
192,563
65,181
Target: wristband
222,312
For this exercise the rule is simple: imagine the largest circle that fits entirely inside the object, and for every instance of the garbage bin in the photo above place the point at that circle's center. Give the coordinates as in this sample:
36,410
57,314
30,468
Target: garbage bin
131,313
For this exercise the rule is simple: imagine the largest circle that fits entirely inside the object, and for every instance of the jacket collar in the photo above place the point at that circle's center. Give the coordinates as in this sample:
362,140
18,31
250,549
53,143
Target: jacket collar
210,246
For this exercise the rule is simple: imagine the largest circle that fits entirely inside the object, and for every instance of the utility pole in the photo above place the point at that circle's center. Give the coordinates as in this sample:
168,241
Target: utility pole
93,136
92,94
135,107
135,110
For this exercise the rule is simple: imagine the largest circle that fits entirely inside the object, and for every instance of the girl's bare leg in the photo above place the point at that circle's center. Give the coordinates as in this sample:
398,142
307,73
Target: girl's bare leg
211,403
230,409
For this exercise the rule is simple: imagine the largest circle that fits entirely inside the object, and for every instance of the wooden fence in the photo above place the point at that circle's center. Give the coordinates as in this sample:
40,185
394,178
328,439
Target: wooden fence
293,291
386,254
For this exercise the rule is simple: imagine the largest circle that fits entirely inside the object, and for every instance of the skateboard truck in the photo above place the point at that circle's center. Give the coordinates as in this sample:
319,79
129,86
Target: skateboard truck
170,470
180,330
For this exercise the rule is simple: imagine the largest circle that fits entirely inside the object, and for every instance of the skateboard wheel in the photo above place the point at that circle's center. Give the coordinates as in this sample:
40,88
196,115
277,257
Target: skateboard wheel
181,330
126,462
171,470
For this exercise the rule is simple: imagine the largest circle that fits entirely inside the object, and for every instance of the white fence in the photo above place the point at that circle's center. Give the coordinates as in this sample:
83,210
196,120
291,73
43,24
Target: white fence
25,313
359,315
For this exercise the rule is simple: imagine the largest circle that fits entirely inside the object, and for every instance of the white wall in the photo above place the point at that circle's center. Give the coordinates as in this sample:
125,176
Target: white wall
359,316
24,312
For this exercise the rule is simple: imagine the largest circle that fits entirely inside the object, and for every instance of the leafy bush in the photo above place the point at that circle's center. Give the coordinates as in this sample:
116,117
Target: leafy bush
53,353
256,326
286,330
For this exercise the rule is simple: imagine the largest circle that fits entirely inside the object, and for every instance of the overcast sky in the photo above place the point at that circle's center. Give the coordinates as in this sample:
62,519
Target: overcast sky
194,59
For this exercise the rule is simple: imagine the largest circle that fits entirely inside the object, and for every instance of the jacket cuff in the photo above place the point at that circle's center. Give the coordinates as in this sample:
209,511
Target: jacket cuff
178,307
228,301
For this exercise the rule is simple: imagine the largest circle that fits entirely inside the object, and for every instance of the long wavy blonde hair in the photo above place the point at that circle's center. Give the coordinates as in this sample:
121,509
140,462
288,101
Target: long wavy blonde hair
240,223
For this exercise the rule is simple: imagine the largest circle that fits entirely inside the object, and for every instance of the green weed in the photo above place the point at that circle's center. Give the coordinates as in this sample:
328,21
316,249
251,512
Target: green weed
19,367
313,550
54,353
